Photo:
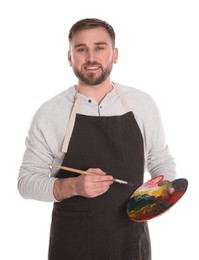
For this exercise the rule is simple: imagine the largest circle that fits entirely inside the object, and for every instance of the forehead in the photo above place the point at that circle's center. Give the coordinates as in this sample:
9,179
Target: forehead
91,36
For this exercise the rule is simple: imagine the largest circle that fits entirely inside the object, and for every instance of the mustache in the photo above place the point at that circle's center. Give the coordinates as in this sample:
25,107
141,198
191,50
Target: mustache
89,63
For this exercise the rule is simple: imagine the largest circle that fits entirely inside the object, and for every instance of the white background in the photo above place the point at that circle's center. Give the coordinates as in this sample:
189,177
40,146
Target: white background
158,53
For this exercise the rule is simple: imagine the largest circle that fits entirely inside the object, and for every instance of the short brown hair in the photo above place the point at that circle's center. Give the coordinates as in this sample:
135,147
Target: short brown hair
89,23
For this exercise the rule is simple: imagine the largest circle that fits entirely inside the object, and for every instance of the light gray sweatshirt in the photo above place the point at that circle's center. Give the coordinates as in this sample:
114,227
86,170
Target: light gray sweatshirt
48,128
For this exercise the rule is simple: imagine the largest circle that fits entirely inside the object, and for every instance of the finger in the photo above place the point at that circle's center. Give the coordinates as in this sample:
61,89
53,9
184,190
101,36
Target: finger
98,174
170,191
98,180
97,191
92,186
96,171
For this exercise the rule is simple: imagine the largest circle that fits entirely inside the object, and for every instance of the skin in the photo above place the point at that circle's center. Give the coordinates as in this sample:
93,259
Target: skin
91,56
83,185
168,191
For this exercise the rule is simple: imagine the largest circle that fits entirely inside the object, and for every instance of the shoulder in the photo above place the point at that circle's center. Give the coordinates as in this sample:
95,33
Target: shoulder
137,98
144,107
55,108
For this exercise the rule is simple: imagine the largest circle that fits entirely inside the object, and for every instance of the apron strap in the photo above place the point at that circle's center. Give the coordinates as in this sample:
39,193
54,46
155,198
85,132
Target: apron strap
126,106
76,109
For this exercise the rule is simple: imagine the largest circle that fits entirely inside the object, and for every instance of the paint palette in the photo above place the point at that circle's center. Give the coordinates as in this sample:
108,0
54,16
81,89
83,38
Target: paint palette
151,200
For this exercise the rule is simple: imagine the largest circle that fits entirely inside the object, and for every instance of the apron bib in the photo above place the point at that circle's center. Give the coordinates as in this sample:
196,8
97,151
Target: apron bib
99,228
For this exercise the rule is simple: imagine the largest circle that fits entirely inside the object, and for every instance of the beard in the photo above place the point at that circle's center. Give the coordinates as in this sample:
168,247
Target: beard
91,78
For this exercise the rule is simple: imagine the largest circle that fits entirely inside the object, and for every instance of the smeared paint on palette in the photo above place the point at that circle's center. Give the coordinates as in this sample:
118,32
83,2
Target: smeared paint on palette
151,200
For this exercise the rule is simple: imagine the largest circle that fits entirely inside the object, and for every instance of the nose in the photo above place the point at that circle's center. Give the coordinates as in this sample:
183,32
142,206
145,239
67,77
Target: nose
90,56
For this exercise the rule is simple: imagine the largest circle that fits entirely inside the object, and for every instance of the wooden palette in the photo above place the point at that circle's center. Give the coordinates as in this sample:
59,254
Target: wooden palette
151,200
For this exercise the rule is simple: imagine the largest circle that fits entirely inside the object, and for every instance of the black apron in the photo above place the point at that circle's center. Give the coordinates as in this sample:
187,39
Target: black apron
99,228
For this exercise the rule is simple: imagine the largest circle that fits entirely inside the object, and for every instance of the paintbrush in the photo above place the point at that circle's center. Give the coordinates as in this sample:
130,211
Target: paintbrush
88,173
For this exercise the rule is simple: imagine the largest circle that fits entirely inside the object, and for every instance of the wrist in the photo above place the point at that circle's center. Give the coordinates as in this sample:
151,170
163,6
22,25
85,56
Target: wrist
64,188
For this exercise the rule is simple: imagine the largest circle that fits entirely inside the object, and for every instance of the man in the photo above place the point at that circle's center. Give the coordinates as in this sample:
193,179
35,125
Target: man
109,130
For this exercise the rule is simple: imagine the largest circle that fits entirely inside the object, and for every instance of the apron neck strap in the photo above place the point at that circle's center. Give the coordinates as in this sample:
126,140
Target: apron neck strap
125,104
76,109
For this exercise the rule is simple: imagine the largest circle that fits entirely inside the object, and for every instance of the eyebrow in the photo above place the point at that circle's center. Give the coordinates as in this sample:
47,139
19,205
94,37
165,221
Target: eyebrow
96,43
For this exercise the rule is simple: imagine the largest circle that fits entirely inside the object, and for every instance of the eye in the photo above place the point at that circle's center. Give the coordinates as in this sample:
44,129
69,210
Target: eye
82,49
99,48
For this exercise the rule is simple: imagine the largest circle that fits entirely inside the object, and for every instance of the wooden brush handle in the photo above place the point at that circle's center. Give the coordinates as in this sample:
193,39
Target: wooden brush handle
71,169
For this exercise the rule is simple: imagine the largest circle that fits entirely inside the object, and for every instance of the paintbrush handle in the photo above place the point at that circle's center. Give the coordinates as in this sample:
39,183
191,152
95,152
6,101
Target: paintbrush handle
71,169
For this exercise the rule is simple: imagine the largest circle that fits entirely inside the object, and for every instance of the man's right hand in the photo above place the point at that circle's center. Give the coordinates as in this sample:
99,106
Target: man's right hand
88,186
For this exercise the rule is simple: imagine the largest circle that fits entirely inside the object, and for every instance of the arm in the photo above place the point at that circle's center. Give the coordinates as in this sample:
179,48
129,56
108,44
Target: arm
34,181
159,159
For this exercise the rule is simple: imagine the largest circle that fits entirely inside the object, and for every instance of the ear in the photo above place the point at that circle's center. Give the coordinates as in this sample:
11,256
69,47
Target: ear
69,58
115,55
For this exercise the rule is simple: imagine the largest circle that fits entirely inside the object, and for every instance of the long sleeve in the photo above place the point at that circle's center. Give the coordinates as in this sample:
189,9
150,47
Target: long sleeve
34,179
43,146
158,160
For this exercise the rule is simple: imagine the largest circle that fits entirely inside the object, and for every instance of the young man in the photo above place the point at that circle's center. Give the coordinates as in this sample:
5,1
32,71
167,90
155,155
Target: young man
107,129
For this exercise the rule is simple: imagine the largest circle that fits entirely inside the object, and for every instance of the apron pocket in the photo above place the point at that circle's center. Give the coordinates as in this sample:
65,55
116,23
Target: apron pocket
70,236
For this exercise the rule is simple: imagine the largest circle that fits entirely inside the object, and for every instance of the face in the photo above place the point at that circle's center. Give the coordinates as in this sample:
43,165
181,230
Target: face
92,55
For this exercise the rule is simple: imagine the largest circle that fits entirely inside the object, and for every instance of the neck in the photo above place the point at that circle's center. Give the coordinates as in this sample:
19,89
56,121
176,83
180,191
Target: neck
97,92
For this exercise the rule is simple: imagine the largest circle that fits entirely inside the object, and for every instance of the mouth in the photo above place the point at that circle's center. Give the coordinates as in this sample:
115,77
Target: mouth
92,68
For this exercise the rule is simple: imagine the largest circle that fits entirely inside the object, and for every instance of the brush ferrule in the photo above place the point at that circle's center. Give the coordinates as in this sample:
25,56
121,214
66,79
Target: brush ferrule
120,181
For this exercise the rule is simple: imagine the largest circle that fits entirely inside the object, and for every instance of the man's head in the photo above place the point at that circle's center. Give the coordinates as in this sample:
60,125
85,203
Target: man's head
92,50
